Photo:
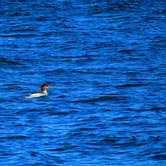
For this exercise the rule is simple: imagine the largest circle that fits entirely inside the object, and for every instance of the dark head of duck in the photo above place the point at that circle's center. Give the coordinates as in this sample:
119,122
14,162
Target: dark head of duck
44,87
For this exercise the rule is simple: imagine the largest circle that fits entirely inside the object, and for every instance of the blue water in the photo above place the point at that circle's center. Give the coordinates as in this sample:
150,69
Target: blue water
106,61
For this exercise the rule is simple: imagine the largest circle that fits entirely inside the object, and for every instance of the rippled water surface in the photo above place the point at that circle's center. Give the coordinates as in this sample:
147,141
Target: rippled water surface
105,60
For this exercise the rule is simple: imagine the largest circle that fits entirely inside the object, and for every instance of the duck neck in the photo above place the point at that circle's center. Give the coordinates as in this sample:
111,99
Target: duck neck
45,92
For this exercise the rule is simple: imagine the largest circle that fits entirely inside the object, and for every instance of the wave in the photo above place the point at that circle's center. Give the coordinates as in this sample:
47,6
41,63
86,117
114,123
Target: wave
131,85
103,98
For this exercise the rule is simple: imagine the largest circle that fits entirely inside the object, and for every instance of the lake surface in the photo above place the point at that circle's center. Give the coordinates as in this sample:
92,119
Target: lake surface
106,61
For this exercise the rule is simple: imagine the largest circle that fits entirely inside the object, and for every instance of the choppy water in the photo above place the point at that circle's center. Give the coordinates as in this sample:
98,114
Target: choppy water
106,62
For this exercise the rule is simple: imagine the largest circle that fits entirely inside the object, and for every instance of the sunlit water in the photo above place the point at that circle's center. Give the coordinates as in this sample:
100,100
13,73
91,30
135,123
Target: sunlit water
106,62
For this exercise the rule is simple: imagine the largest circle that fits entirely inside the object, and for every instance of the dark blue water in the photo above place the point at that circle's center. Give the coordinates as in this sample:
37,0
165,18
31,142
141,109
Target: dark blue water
106,61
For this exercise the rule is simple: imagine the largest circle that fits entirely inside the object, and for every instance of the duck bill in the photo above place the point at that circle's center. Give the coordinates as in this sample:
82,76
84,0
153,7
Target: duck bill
50,86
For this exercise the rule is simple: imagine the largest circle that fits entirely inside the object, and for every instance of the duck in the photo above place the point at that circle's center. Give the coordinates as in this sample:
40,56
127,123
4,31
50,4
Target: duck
43,92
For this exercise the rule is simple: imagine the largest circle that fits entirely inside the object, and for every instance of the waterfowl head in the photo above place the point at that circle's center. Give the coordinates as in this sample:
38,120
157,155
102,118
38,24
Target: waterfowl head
44,87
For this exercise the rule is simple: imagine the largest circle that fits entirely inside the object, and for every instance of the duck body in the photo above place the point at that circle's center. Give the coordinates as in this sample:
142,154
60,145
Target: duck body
36,95
39,94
